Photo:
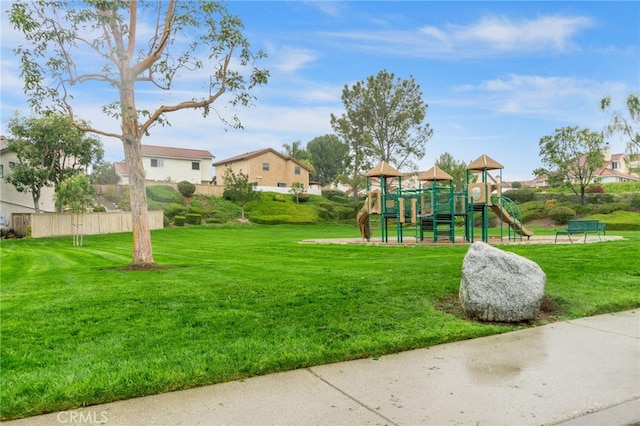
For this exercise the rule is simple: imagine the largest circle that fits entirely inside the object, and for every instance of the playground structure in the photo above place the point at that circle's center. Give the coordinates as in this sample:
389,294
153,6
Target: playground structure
435,206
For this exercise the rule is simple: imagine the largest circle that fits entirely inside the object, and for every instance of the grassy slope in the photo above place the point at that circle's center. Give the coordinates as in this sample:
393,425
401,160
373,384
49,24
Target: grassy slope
239,301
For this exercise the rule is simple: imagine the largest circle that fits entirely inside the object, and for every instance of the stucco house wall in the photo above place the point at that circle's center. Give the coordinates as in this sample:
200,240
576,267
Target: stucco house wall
267,169
168,164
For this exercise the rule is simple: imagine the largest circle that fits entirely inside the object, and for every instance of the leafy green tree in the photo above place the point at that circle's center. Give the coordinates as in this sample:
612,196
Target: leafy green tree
329,157
76,195
575,154
626,123
104,173
49,149
383,121
237,188
90,43
297,188
554,178
295,150
457,169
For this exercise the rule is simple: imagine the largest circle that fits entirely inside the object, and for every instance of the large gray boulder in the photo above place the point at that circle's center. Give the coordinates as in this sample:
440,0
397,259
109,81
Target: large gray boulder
500,286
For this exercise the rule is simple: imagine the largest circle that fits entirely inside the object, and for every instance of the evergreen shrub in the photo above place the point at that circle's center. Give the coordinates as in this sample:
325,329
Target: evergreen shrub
562,214
164,194
344,212
186,188
332,193
520,195
193,218
612,207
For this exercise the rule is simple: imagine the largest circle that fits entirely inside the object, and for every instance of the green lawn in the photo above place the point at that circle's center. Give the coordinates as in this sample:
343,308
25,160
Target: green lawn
77,328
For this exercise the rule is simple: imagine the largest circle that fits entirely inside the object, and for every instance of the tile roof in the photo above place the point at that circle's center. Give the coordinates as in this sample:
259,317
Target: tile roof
121,168
169,152
252,154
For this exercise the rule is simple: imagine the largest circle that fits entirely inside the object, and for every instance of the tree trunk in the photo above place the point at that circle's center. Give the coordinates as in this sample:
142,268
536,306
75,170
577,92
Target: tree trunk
132,142
36,200
142,251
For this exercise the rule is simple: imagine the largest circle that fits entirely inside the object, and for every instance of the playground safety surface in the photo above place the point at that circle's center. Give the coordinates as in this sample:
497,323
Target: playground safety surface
412,241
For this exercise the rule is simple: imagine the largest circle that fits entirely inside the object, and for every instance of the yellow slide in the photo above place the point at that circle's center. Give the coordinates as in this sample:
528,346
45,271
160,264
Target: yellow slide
506,218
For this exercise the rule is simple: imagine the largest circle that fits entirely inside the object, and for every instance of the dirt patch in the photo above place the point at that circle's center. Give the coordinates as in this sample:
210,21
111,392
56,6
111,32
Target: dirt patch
550,310
142,267
543,223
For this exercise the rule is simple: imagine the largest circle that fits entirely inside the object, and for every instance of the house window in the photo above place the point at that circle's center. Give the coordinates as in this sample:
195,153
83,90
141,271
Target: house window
265,167
1,170
11,164
614,165
282,185
195,165
157,162
296,170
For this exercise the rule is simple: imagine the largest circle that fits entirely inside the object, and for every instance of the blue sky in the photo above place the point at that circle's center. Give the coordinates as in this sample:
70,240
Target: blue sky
497,76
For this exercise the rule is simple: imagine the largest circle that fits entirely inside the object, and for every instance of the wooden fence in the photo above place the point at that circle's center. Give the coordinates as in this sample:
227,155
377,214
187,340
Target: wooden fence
59,224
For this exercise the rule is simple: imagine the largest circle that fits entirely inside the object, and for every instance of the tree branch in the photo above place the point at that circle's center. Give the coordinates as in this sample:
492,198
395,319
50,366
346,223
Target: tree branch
222,74
164,39
133,16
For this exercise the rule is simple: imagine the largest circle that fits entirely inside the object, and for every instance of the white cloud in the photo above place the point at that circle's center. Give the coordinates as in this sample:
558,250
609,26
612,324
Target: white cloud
569,99
502,33
331,8
289,59
489,36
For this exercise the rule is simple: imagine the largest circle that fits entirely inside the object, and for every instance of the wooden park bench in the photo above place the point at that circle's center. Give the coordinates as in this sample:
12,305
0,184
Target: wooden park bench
583,227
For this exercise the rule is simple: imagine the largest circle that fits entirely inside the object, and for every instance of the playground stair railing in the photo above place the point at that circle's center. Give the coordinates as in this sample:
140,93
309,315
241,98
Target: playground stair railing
510,214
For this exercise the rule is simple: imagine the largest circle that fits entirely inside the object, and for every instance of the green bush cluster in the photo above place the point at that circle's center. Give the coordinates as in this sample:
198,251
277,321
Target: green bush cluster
612,207
333,193
179,220
186,188
344,213
164,194
265,210
619,220
193,218
562,214
520,195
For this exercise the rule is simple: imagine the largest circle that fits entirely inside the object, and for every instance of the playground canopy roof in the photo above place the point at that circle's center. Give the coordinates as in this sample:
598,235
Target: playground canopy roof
484,162
383,169
434,174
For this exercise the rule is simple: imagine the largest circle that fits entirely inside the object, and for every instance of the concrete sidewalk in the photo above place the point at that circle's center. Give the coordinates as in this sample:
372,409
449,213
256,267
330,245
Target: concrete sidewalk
581,372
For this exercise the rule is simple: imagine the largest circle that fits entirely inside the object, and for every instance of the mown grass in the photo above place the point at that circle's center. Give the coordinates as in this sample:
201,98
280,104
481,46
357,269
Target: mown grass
78,328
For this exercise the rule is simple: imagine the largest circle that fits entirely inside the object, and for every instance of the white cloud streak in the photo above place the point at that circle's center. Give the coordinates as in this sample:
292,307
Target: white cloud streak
489,36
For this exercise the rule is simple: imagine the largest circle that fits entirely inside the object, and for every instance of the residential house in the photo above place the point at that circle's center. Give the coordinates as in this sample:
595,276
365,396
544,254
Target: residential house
167,164
616,168
267,169
12,201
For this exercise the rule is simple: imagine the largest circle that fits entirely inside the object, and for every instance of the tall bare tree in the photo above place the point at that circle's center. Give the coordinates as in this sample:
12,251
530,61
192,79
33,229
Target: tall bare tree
129,45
